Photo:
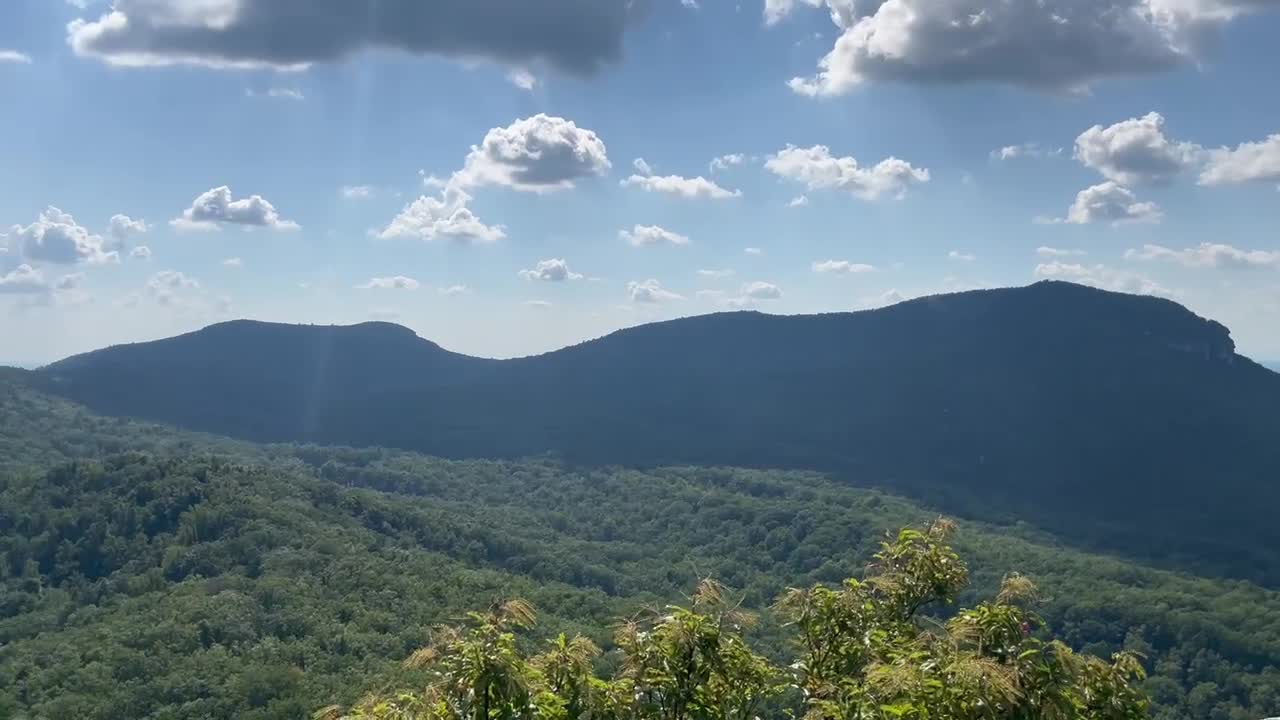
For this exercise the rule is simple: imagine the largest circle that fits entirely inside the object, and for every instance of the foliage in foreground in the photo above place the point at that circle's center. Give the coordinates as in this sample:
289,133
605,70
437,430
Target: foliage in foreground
865,653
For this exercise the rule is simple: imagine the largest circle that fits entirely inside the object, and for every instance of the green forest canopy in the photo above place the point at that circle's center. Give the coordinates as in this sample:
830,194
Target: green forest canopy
862,652
210,578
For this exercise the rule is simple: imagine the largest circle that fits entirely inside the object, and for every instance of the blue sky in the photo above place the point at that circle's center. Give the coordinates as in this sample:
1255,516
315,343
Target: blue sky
468,168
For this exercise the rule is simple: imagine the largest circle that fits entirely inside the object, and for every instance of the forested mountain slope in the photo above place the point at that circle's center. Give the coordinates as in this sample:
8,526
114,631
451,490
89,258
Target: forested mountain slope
1119,422
250,581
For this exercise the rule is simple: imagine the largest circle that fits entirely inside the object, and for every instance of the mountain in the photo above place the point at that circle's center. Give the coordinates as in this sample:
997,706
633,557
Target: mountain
1120,422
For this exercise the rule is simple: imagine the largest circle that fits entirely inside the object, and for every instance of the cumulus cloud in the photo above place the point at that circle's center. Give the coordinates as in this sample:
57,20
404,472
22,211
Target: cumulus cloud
1248,162
216,208
357,192
444,218
690,188
278,94
23,280
234,263
642,167
647,235
884,299
724,162
961,256
122,227
1209,255
1052,252
13,56
553,270
396,282
841,267
650,292
799,201
1113,203
1101,276
55,237
759,290
168,286
1049,44
522,78
576,36
817,169
142,252
716,273
1135,151
537,154
1025,150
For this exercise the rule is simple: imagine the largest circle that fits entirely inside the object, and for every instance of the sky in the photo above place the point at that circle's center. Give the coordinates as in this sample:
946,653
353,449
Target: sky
507,177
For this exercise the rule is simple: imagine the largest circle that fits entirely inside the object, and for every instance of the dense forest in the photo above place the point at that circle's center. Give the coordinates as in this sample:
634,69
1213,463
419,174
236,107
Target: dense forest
863,650
151,573
1123,424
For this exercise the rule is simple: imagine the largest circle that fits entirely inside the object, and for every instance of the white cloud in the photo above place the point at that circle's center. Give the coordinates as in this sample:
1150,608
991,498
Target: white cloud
1249,162
886,298
690,188
553,270
1052,252
453,290
576,36
397,282
1135,151
753,251
357,192
642,167
691,4
443,218
69,282
1113,203
1101,276
121,227
818,170
1048,44
647,235
1209,255
650,292
215,208
1025,150
278,94
799,201
536,154
716,273
724,162
142,252
13,56
759,290
961,256
842,267
168,286
522,78
55,237
539,304
23,280
234,263
431,181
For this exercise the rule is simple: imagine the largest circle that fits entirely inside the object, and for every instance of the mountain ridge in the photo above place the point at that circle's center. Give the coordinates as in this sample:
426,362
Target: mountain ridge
1116,420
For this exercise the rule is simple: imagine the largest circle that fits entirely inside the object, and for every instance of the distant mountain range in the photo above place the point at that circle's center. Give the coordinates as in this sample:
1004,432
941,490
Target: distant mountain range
1117,421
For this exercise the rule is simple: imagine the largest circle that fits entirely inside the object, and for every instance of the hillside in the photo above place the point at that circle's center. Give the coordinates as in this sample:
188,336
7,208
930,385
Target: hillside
1119,422
247,581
